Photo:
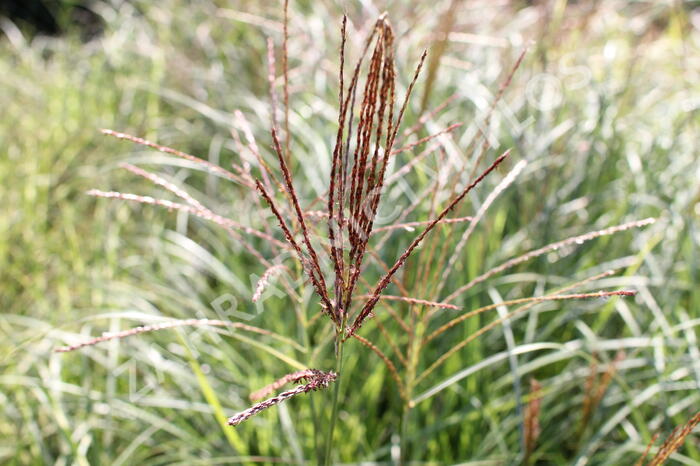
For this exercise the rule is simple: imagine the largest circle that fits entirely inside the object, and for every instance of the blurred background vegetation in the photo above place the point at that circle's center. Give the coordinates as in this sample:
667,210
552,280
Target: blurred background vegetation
604,107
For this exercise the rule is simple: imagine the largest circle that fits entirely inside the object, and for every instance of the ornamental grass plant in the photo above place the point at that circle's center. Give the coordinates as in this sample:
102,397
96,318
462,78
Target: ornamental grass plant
333,246
377,255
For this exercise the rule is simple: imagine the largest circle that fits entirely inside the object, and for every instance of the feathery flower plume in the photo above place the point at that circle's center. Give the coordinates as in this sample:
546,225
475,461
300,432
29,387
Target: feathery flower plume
316,381
160,181
595,388
107,336
265,280
357,178
410,226
674,441
294,377
643,458
534,299
529,303
532,418
410,146
424,119
199,212
502,186
419,302
212,168
364,313
550,247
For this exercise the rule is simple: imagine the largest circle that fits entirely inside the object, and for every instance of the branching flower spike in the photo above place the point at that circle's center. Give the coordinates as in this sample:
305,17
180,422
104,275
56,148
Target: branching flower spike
316,380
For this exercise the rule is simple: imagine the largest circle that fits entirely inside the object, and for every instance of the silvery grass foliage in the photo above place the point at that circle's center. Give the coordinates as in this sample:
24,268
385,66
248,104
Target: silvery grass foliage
333,246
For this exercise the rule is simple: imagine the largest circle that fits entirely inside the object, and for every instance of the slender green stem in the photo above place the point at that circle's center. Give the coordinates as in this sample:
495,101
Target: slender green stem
336,391
318,447
403,435
415,342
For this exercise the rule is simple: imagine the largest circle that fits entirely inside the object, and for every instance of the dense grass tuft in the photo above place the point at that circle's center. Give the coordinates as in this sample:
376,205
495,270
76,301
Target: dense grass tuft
602,112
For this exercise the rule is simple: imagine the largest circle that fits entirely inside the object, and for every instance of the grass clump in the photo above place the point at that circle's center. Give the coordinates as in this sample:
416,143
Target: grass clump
357,181
467,400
